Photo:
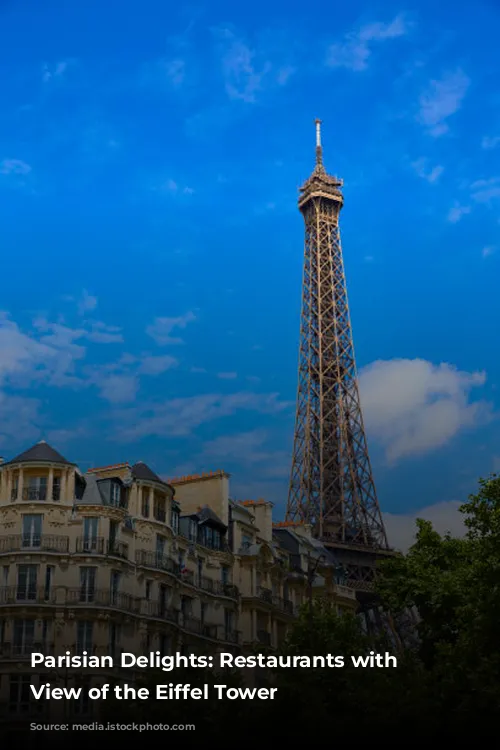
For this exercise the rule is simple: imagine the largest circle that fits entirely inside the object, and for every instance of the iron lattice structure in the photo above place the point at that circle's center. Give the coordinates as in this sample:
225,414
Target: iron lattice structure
331,484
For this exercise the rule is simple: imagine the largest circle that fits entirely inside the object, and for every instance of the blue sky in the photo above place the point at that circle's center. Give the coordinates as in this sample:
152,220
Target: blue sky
152,248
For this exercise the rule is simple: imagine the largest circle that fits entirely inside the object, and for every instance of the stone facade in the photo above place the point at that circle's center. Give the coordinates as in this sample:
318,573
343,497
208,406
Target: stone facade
118,559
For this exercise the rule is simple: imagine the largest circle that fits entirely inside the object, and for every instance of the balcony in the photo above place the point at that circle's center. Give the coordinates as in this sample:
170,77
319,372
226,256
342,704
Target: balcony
25,595
90,546
34,543
285,605
26,647
265,595
264,637
160,611
37,494
231,636
218,588
157,560
193,625
89,596
187,576
159,514
117,549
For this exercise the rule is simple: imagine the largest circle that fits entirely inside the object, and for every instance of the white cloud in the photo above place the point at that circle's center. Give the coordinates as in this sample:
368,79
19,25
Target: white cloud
431,174
354,51
248,71
181,416
487,251
14,167
175,71
161,328
118,389
442,99
456,212
414,406
51,72
489,142
171,186
151,365
484,191
445,517
87,303
227,375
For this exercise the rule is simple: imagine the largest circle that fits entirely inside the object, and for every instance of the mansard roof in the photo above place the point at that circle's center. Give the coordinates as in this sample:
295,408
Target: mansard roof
140,470
41,452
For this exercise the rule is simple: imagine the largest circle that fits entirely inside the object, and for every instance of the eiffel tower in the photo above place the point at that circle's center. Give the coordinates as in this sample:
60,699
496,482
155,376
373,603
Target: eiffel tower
331,482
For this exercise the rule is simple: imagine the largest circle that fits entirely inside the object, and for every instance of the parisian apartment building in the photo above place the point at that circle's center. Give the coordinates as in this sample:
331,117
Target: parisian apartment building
119,559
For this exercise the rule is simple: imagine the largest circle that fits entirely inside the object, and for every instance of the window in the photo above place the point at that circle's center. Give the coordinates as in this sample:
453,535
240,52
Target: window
37,489
114,639
115,494
45,635
203,609
217,540
246,541
49,572
160,548
175,520
228,621
208,536
90,529
81,706
87,584
224,575
200,568
56,489
193,530
5,575
24,635
159,511
32,530
26,582
164,644
163,600
113,532
114,586
19,693
84,633
145,504
186,605
147,594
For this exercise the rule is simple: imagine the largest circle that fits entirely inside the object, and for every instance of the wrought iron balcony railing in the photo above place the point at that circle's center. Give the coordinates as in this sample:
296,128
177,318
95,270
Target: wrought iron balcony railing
90,596
117,549
218,587
25,594
148,559
34,542
24,647
90,545
150,608
266,595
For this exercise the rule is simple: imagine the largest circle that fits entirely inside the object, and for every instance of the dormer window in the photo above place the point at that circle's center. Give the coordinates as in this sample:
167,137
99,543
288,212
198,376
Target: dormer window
193,530
115,494
174,521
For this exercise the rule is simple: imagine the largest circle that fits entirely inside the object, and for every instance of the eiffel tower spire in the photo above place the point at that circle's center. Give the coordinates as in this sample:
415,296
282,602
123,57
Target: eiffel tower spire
331,482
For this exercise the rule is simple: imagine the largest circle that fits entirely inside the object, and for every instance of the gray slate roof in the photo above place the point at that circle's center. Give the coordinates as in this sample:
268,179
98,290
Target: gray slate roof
91,494
140,470
40,452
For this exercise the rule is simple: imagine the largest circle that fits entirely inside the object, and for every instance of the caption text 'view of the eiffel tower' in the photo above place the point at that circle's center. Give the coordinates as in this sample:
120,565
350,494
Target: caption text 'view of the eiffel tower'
331,484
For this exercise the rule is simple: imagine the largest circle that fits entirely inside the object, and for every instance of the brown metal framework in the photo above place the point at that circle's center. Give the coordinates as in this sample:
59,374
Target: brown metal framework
331,484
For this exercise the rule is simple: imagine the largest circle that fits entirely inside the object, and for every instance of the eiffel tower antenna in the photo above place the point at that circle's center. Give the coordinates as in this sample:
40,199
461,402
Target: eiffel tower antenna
331,481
